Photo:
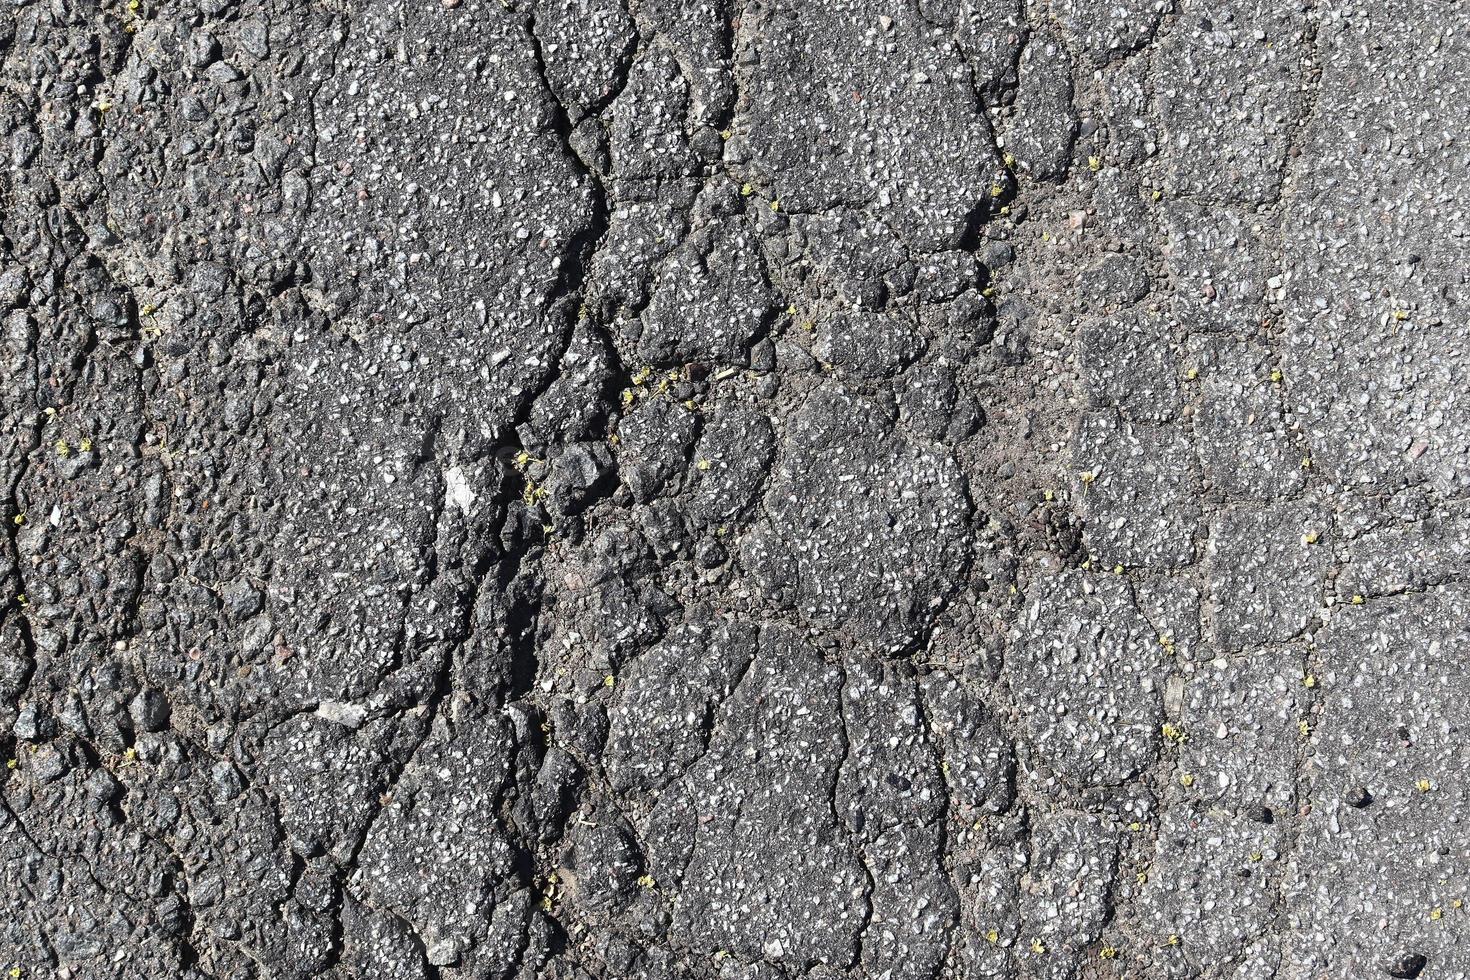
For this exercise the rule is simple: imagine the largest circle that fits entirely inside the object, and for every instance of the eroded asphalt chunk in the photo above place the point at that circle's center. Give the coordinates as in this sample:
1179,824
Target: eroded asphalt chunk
734,489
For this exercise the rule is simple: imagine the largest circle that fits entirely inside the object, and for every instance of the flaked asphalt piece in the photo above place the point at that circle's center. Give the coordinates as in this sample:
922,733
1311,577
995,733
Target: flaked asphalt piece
733,489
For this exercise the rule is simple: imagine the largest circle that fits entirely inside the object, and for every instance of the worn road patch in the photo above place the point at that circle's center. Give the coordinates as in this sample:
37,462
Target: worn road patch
734,489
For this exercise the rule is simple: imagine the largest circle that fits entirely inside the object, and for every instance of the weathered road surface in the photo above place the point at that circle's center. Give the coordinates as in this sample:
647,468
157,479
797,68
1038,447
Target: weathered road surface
735,489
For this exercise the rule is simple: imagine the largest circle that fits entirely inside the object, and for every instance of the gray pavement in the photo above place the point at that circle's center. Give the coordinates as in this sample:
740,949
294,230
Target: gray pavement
734,489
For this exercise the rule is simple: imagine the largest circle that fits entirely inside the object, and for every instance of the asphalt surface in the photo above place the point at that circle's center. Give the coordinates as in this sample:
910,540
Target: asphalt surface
734,489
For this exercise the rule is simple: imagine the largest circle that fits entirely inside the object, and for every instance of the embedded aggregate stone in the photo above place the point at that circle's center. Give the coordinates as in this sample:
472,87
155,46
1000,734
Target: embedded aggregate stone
841,552
1381,669
1137,488
1045,127
711,302
1406,557
848,105
733,489
1267,566
1065,890
1087,672
1129,363
1107,31
1246,447
670,697
1218,264
766,876
1213,884
1248,55
1397,294
1239,729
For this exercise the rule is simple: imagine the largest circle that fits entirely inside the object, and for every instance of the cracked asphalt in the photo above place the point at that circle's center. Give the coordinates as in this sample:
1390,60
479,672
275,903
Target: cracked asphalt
740,489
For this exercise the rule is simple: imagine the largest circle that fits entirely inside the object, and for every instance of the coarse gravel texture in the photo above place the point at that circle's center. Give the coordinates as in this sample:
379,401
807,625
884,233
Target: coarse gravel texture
735,489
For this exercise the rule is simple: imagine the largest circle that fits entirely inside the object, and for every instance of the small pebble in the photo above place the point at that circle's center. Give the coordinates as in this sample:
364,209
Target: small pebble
1408,965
